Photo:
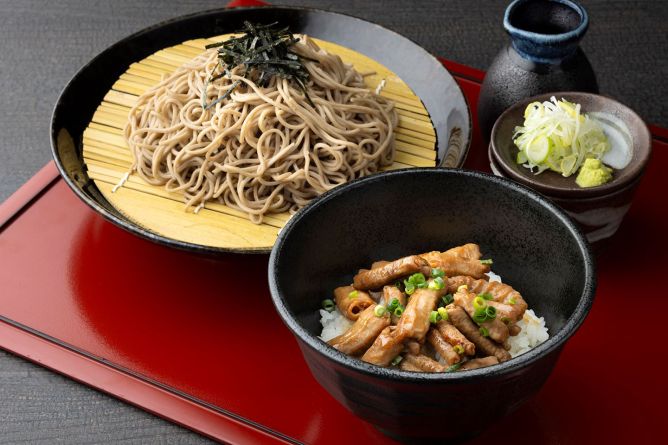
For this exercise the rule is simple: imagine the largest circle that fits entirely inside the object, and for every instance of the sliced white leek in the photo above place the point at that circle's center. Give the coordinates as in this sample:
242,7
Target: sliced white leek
556,135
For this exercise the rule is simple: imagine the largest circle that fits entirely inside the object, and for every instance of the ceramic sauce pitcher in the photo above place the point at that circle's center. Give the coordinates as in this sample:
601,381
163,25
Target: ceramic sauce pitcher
543,56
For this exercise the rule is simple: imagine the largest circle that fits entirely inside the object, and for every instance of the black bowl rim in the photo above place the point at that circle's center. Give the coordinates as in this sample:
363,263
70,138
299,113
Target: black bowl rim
553,344
602,190
136,229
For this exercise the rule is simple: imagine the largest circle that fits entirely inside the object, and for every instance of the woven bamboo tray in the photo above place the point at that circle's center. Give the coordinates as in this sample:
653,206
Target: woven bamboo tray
108,158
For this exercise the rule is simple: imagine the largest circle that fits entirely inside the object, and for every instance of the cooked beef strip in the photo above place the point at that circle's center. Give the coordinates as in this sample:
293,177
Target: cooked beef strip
385,348
452,335
406,366
390,272
362,333
466,326
501,293
414,323
349,306
443,348
479,363
391,292
462,260
424,363
498,331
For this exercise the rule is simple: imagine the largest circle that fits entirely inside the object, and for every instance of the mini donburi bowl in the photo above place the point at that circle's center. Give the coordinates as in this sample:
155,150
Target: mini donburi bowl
535,248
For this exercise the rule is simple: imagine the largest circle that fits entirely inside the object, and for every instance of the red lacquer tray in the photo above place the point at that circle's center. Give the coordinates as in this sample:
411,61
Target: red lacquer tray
196,339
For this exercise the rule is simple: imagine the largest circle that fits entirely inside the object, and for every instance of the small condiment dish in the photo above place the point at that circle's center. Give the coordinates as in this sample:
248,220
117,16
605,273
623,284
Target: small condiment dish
598,210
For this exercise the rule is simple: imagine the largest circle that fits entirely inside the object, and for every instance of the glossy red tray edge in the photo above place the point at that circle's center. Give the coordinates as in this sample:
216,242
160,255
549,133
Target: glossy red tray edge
150,396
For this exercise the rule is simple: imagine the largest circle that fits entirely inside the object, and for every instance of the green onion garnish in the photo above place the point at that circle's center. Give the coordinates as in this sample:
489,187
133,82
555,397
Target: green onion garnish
447,299
480,317
490,311
328,305
434,317
410,287
454,367
399,311
436,272
393,304
479,303
512,300
418,280
396,360
459,349
484,332
487,262
353,294
398,284
437,283
486,296
379,310
443,313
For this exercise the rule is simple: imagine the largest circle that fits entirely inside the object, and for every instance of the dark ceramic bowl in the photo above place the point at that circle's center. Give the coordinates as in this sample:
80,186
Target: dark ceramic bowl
422,72
598,210
416,210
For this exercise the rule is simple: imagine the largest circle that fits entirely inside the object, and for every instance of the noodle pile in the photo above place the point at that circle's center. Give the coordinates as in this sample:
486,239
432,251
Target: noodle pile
260,150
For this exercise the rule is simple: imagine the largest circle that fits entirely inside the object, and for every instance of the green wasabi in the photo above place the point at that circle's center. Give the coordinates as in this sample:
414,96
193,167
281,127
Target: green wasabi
592,173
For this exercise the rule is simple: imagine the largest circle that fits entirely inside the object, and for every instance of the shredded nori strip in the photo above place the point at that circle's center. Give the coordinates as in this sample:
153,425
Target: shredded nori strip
263,50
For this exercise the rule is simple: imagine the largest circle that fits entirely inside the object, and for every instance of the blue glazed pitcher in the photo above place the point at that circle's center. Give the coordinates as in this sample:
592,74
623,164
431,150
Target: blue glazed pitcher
543,56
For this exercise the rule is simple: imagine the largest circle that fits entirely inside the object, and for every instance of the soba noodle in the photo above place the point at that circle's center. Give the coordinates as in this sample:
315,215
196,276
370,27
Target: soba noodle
260,150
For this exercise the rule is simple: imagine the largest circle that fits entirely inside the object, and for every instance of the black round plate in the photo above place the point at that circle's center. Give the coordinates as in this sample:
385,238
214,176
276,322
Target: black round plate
421,71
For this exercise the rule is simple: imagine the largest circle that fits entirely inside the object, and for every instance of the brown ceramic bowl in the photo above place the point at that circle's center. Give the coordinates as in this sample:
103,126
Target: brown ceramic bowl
598,210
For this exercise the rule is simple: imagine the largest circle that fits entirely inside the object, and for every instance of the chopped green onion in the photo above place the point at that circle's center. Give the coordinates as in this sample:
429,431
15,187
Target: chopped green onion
399,311
436,272
512,300
487,262
447,299
486,296
379,310
434,317
479,303
328,305
480,317
398,284
462,288
396,360
437,283
490,311
454,367
353,294
393,304
443,313
459,349
417,278
484,332
410,287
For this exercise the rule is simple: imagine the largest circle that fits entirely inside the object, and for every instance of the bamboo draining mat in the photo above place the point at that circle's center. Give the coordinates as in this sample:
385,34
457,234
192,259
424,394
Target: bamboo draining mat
108,158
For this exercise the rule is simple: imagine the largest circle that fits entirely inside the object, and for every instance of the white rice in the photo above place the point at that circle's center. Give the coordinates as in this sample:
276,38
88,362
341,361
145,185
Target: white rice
333,324
534,331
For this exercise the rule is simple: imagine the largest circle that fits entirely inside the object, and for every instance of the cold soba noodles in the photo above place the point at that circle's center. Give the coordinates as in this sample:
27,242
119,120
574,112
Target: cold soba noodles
262,123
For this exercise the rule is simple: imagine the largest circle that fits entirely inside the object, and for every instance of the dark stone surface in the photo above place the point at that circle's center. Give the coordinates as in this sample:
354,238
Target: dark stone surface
44,43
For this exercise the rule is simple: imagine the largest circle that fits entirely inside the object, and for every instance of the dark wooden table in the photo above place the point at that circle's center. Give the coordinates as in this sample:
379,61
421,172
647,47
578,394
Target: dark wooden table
43,43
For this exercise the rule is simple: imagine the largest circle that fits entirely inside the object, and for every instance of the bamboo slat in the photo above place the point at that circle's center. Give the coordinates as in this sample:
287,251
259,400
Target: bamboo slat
108,158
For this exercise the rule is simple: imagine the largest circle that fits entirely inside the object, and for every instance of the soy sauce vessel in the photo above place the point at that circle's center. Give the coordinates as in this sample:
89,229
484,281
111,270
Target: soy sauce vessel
543,56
